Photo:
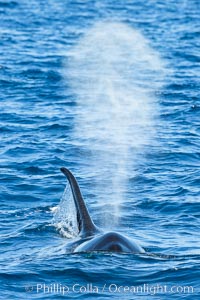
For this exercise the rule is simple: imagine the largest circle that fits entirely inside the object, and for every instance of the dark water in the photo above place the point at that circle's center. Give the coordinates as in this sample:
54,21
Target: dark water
160,191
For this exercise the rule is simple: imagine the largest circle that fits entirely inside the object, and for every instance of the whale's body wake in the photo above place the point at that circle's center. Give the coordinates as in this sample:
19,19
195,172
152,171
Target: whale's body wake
114,75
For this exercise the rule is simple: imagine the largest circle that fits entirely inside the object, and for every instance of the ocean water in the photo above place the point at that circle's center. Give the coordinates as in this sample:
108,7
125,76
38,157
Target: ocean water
110,90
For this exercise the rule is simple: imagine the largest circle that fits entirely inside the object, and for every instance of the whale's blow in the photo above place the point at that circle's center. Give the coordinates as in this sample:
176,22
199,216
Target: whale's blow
113,74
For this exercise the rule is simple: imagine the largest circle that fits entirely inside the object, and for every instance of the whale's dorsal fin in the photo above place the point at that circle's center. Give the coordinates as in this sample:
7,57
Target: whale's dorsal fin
86,225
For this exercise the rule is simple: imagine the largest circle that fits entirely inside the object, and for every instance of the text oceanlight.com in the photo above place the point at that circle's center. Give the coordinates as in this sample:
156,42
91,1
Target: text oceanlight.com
112,288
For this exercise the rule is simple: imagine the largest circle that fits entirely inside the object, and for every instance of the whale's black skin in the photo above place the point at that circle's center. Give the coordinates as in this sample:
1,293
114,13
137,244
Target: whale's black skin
110,242
86,225
92,238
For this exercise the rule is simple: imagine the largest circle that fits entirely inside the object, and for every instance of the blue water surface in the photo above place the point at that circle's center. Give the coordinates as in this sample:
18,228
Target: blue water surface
37,121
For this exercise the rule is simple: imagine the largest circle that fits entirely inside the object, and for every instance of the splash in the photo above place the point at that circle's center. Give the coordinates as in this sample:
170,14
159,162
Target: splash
64,218
114,74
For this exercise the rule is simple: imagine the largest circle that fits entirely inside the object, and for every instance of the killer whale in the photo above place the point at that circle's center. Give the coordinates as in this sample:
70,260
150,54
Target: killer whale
91,237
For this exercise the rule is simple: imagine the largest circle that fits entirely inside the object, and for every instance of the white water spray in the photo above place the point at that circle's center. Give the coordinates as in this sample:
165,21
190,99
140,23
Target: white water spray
114,74
65,219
